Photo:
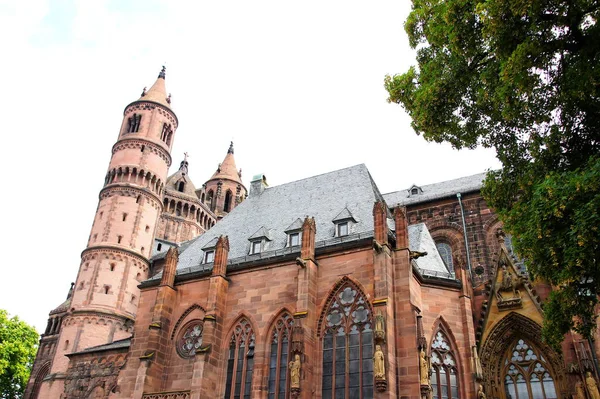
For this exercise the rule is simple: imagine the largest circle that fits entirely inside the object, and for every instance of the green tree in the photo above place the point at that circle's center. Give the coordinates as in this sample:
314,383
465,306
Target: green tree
523,77
18,346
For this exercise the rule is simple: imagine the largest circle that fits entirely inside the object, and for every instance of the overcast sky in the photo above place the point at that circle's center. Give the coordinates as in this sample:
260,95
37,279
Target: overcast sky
297,85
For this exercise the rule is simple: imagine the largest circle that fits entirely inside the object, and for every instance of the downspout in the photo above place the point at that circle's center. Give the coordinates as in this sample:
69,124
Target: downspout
462,214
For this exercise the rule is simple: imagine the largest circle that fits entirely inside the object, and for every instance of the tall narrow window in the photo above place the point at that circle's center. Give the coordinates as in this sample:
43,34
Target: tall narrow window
227,206
444,372
526,374
240,362
209,199
445,251
133,123
348,346
180,186
281,345
166,133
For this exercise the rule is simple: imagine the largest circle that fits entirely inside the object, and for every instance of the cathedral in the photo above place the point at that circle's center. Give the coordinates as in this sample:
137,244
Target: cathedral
318,288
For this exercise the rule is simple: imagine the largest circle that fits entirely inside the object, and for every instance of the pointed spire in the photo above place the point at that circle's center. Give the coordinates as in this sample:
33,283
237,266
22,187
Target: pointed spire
227,169
158,92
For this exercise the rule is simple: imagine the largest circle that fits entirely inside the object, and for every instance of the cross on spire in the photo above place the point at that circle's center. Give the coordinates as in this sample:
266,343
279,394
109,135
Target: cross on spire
185,156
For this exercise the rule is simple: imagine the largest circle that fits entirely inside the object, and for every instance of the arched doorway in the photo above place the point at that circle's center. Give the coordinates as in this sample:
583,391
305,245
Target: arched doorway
517,365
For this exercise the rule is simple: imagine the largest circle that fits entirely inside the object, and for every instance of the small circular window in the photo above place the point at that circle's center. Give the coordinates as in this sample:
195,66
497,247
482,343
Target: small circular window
190,339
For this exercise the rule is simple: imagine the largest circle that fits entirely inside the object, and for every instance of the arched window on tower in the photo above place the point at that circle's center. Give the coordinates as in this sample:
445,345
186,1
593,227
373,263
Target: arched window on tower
444,371
445,251
240,361
281,345
209,199
347,346
526,373
181,186
133,123
227,206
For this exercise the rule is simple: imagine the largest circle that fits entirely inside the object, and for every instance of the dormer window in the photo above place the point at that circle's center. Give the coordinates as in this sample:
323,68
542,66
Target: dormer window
209,256
293,239
259,241
343,223
415,190
255,247
181,186
341,229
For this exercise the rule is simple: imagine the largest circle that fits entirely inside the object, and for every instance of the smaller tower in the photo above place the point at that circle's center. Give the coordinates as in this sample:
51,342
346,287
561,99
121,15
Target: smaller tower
184,215
224,190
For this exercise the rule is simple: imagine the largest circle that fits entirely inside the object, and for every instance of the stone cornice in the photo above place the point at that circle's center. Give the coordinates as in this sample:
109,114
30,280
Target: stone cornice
134,139
112,248
120,186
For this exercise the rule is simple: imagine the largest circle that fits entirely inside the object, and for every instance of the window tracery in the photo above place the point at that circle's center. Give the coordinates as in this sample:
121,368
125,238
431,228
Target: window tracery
526,374
281,345
348,346
190,339
445,251
444,371
240,361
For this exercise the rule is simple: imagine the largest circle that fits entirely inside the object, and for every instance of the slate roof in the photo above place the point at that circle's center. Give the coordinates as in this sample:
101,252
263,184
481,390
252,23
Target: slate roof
274,210
122,343
431,264
436,191
349,192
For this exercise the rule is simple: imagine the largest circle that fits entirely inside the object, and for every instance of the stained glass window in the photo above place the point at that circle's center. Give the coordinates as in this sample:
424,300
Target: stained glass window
445,251
444,372
191,339
240,361
348,347
526,374
281,342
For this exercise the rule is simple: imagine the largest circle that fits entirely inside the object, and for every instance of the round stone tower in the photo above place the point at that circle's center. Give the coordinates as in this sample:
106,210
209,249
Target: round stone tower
105,297
224,190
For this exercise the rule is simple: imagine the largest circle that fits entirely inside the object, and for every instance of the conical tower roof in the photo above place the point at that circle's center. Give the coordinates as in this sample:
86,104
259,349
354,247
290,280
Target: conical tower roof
227,169
158,91
182,176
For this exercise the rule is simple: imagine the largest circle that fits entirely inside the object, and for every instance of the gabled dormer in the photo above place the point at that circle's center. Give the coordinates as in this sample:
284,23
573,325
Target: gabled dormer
208,251
344,223
259,241
294,233
414,190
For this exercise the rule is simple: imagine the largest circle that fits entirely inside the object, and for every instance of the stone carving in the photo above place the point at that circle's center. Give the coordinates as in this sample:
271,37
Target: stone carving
378,363
592,386
87,378
424,367
579,390
379,331
168,395
295,367
480,393
508,283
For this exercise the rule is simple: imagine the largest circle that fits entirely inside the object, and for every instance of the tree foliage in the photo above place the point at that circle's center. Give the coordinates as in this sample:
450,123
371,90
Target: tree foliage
523,77
18,345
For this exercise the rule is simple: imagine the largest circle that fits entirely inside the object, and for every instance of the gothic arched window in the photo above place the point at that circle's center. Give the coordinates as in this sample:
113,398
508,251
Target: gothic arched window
444,371
348,346
281,345
526,374
445,251
240,361
227,206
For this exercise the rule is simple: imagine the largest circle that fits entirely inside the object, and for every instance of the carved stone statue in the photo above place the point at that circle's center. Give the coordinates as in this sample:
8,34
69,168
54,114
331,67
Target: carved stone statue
424,367
378,363
592,386
579,390
295,366
379,327
480,393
